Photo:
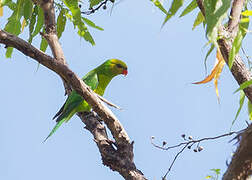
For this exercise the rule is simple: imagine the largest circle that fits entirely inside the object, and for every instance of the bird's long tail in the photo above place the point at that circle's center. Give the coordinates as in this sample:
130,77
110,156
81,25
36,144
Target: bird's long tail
54,129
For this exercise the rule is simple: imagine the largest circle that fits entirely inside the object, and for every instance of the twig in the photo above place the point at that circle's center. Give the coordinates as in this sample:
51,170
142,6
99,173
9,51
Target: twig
188,144
108,102
169,169
92,10
192,142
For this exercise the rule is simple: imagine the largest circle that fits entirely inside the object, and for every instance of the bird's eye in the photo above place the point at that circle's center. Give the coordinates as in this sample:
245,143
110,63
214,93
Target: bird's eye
119,65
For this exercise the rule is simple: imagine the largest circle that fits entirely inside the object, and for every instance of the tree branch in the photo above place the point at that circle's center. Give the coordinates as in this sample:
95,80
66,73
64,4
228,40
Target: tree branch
241,164
122,141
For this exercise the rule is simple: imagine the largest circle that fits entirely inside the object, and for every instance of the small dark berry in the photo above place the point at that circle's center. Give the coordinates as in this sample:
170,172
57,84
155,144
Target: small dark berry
200,148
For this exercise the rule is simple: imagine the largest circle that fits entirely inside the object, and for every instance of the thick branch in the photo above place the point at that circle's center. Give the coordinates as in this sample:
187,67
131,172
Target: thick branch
122,141
50,29
120,159
51,34
241,164
240,167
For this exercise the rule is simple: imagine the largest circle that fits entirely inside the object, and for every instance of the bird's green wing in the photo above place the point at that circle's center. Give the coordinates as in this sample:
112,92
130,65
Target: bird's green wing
72,103
91,79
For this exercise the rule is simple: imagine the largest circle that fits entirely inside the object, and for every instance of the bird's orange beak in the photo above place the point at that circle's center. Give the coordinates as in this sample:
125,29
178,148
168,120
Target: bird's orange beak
125,72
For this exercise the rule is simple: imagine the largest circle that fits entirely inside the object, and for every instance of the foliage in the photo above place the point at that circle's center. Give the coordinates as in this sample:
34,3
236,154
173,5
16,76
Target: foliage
26,14
215,174
215,16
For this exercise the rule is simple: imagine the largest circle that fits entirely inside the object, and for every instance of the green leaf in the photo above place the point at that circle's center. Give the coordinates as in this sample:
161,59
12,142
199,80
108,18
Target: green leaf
199,19
250,110
235,48
243,26
40,22
28,10
9,4
208,53
241,102
92,24
43,43
9,52
247,13
32,22
61,22
176,4
189,8
217,171
78,21
158,4
94,2
244,85
13,25
215,13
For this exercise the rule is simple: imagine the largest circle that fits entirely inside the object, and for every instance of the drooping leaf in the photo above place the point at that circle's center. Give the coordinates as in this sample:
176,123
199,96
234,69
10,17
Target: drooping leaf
215,73
13,25
199,19
243,26
92,24
208,53
158,4
241,102
244,85
220,65
176,4
61,22
250,110
78,21
215,13
32,22
40,22
235,48
43,43
212,75
189,8
28,10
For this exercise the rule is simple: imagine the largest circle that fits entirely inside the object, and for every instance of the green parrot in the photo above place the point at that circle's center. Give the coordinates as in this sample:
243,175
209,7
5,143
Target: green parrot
97,80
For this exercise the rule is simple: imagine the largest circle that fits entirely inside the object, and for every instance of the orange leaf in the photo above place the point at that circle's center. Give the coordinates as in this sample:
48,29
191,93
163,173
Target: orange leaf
219,68
215,70
209,77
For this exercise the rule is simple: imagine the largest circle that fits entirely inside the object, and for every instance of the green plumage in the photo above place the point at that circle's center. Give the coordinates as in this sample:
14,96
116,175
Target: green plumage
97,80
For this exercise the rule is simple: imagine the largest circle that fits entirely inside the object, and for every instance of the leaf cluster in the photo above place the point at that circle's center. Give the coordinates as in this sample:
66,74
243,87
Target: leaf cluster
27,14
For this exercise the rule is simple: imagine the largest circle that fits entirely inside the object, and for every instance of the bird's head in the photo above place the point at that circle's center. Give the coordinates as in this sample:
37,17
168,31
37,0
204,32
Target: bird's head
115,67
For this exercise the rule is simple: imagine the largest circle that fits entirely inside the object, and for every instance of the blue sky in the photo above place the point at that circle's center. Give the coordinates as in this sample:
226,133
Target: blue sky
157,97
